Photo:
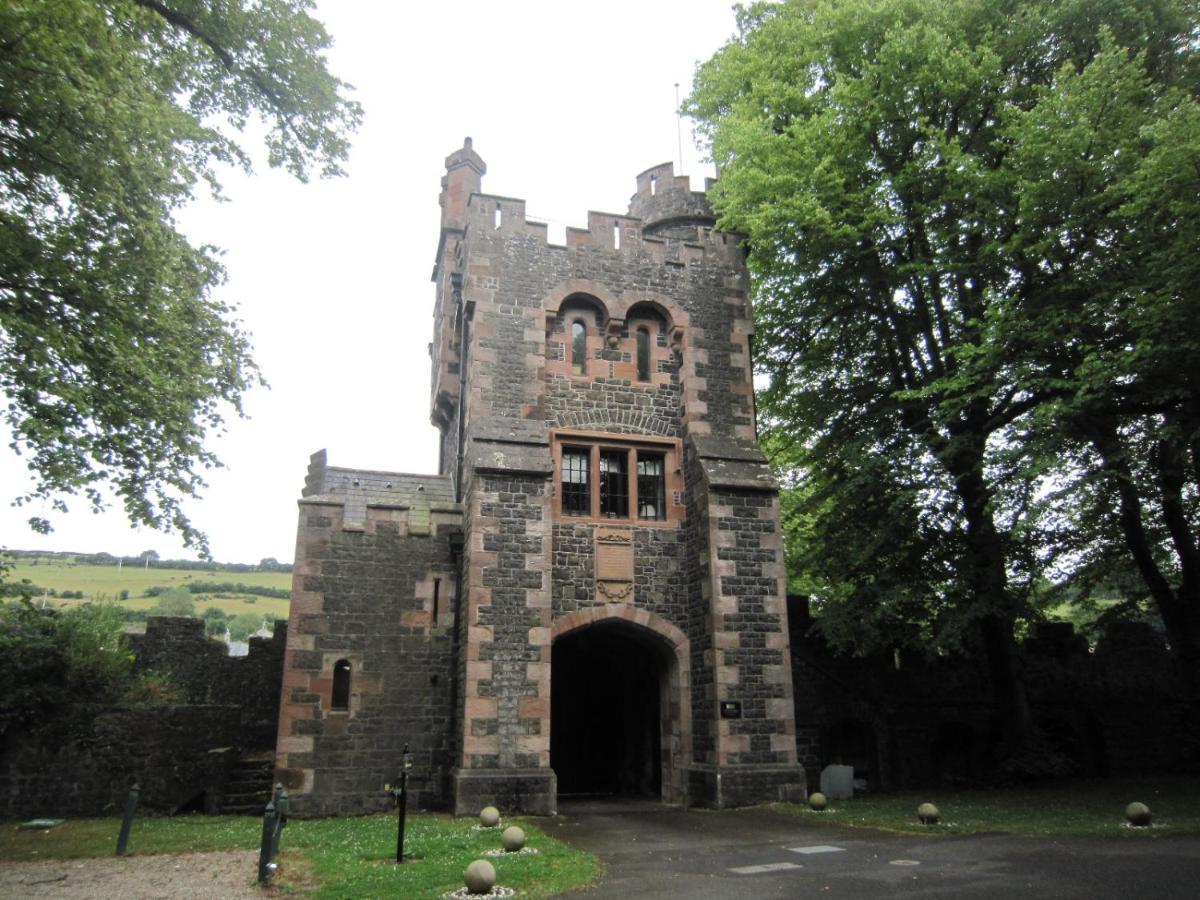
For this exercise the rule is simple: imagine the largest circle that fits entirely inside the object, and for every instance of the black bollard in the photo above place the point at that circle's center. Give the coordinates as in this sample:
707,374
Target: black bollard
264,850
131,803
282,805
402,802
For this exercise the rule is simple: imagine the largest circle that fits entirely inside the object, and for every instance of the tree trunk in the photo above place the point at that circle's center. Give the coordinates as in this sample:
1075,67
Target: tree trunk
987,578
1179,607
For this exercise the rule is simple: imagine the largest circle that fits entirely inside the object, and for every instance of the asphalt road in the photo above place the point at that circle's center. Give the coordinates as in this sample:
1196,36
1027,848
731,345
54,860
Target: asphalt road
652,851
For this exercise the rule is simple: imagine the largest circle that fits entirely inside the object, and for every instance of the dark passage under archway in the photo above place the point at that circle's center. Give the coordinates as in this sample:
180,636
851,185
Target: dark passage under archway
605,717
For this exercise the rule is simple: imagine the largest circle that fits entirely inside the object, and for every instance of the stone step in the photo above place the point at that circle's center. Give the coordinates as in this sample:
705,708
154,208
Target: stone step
249,786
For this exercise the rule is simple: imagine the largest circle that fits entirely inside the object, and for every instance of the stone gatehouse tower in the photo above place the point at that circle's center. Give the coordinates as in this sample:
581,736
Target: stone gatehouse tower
589,595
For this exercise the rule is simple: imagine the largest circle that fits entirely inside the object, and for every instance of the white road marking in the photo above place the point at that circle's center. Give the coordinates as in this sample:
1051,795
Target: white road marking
768,867
817,848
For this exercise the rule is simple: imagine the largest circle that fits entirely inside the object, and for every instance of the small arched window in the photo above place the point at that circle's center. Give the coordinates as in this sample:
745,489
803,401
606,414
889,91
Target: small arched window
643,354
578,347
341,685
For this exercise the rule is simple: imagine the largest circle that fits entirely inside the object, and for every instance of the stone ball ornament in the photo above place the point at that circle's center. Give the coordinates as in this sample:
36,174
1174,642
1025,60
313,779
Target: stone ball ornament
513,839
480,877
489,817
927,813
817,801
1137,814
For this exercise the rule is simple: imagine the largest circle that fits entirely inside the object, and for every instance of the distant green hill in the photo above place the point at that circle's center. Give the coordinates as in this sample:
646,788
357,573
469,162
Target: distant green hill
146,560
66,578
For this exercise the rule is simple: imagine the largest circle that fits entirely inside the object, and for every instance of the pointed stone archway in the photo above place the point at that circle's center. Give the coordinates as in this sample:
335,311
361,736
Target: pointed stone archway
620,718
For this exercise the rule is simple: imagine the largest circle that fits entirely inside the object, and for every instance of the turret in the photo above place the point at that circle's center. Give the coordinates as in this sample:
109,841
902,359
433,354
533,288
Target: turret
464,176
667,205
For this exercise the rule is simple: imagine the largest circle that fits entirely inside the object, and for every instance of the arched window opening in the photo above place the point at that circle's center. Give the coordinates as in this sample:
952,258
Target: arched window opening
578,347
643,354
341,685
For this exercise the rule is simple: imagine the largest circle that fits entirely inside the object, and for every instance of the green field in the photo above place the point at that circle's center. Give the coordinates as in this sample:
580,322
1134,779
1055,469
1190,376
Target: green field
107,582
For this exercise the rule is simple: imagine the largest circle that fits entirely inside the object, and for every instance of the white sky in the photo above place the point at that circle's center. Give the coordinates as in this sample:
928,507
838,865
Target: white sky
566,103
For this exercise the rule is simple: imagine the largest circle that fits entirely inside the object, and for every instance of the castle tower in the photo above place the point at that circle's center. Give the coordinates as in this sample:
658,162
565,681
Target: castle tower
623,627
603,535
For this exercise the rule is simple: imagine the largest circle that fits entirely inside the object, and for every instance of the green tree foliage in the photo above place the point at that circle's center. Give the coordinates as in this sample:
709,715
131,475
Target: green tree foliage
953,257
49,659
244,624
176,601
216,621
115,360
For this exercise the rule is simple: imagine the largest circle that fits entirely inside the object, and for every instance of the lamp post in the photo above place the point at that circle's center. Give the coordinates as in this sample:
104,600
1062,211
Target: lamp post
401,794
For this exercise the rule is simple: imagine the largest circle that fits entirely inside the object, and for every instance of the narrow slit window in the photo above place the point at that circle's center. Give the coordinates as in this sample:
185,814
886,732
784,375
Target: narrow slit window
651,486
653,185
578,347
614,484
643,354
576,485
437,590
341,685
617,235
498,217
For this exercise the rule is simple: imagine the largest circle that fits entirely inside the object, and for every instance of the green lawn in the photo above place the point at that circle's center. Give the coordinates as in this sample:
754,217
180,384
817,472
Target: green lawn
1080,808
346,857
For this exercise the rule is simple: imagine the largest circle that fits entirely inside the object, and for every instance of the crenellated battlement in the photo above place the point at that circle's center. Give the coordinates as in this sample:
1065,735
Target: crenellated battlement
667,205
681,233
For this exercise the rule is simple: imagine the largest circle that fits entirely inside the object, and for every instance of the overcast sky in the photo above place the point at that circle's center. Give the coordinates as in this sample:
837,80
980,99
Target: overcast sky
566,103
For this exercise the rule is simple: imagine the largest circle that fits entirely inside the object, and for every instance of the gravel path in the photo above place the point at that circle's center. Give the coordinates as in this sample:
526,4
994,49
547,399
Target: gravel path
228,875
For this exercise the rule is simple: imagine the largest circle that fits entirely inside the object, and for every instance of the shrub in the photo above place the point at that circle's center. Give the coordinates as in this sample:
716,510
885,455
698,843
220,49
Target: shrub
50,658
156,688
176,601
243,625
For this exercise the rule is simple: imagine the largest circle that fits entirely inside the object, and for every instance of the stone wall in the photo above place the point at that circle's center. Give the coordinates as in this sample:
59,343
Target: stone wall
83,763
903,720
202,668
82,760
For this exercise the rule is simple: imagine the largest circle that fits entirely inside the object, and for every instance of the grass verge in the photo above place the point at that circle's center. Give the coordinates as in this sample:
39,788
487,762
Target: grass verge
1076,808
345,857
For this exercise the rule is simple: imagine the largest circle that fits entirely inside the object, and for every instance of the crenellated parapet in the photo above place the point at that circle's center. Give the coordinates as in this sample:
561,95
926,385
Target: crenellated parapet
681,233
420,502
668,207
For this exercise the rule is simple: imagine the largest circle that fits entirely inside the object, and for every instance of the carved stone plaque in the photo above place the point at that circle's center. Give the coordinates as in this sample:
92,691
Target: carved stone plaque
614,562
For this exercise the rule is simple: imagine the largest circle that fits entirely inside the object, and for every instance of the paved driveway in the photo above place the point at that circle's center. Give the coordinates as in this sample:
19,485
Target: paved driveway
653,851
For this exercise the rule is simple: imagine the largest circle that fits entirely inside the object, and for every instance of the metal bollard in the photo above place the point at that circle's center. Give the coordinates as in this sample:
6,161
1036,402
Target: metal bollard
402,802
282,804
131,803
264,850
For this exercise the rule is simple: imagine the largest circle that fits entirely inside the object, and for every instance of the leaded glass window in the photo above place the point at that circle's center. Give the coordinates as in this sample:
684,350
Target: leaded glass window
578,347
643,354
614,484
576,485
651,486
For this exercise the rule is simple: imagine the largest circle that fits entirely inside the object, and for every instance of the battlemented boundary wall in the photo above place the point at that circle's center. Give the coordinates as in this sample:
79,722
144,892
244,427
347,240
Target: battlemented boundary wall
81,761
903,720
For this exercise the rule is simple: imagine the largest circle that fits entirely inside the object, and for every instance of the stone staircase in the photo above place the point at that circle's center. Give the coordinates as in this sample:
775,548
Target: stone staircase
248,790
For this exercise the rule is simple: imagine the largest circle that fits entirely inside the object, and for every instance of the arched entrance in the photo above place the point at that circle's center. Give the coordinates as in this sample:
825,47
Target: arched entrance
618,705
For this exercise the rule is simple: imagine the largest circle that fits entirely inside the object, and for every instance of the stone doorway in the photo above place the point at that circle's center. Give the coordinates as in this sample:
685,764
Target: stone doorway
615,712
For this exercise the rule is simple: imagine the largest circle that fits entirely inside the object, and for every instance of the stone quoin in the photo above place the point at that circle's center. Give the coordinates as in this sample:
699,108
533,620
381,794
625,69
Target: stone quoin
589,595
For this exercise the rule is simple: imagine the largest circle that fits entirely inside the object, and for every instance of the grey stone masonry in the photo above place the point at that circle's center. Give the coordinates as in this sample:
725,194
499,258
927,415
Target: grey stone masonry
548,337
373,600
627,351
